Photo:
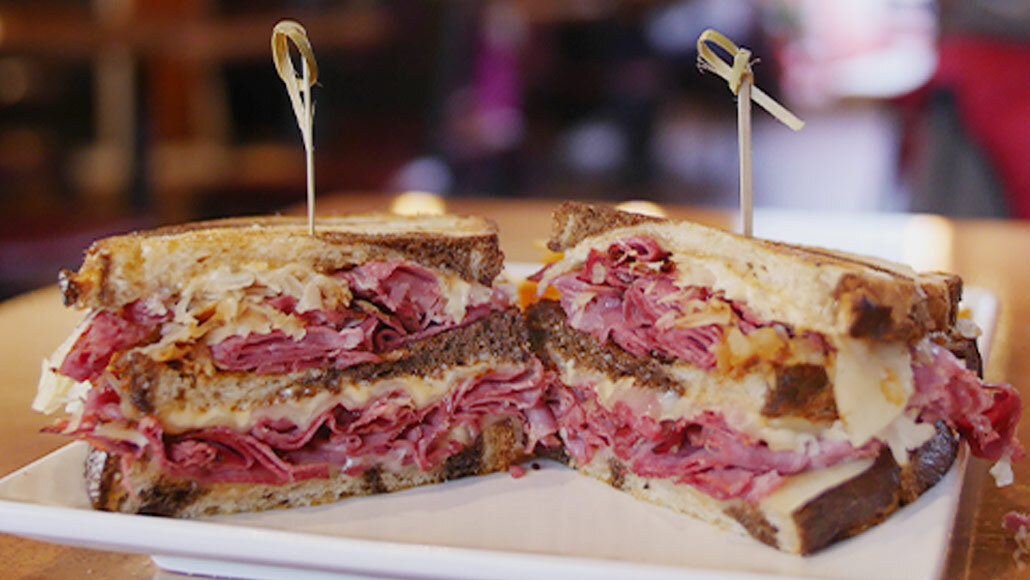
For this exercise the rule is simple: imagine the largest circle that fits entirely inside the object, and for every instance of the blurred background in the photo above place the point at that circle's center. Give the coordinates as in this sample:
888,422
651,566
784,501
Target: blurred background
119,114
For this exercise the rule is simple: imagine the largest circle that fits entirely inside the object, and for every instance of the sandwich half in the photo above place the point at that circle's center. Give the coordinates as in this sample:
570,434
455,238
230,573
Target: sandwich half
794,394
243,364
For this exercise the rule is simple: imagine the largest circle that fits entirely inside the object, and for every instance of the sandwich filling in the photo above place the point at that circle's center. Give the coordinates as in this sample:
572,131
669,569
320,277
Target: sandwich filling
738,418
291,326
288,318
389,432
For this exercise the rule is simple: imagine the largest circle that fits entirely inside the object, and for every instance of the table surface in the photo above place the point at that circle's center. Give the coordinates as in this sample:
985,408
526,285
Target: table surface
985,253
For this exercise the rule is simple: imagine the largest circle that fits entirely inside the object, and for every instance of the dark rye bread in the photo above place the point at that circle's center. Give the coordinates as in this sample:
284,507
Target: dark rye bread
498,340
120,269
835,514
574,222
872,298
551,337
500,445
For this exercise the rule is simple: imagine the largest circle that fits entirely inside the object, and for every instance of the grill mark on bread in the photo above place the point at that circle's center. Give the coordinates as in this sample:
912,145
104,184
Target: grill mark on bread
168,498
373,477
548,331
870,319
802,390
618,474
468,461
142,382
885,311
754,522
104,273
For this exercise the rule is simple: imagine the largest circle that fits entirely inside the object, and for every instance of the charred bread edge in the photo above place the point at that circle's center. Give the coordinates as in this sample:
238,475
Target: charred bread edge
499,445
500,335
474,257
323,224
894,308
575,221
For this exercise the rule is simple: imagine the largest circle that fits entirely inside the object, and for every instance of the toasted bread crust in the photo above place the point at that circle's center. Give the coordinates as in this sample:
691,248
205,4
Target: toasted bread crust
575,221
499,445
866,297
120,269
155,388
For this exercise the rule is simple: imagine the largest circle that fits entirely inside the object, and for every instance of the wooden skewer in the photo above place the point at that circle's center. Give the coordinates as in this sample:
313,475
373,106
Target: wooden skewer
299,90
744,155
741,82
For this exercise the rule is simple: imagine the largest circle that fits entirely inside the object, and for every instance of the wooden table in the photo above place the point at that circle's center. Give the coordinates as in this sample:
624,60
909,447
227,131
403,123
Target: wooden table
990,254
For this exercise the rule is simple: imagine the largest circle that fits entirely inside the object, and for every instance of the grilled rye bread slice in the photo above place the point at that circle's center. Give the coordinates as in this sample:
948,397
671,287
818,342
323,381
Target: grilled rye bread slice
831,292
121,269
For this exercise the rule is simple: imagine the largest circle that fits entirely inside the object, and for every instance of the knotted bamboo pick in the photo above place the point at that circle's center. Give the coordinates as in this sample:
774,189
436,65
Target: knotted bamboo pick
299,89
741,82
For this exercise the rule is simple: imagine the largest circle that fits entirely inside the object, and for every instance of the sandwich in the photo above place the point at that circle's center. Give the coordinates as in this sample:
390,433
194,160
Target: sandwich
794,394
243,364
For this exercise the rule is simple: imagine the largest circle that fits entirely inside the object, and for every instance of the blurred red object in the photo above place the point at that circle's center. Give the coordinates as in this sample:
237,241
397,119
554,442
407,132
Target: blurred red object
989,80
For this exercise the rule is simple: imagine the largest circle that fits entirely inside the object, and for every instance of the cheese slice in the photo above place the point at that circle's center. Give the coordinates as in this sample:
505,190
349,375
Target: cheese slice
872,384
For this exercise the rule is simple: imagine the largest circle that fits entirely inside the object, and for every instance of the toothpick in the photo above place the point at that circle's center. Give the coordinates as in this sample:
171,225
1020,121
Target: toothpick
744,155
741,82
299,90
